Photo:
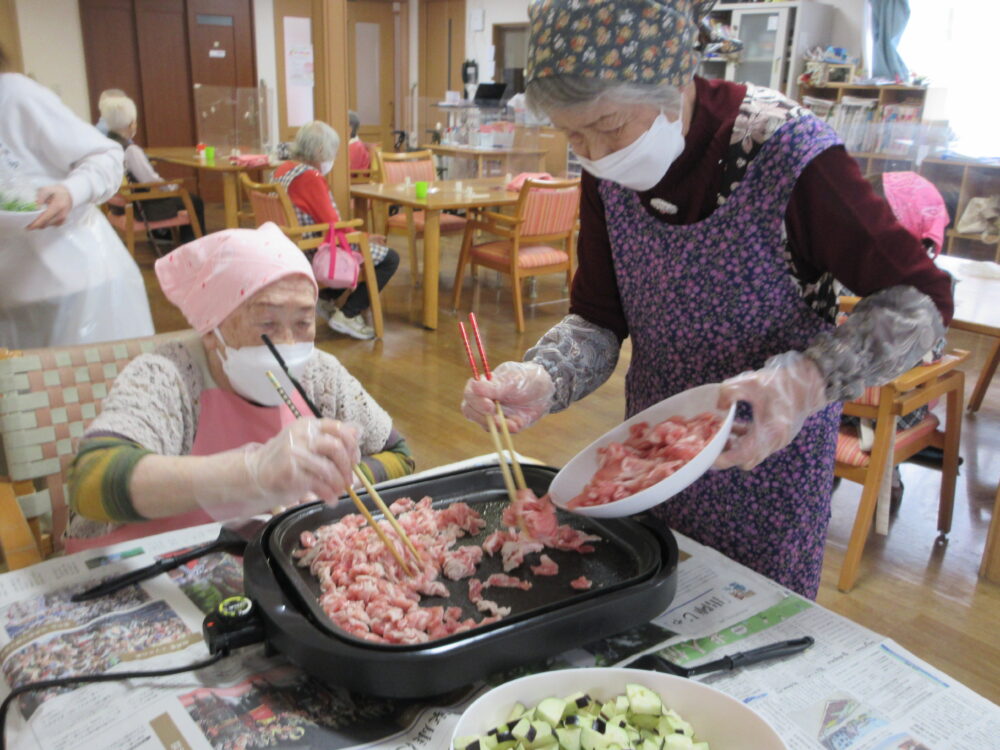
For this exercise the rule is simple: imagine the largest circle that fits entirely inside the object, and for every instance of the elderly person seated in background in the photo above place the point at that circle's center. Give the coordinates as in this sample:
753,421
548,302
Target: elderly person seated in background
101,124
313,153
357,150
120,116
195,431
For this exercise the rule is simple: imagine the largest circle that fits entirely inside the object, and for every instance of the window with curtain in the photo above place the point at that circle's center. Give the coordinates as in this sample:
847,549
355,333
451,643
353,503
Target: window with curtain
953,44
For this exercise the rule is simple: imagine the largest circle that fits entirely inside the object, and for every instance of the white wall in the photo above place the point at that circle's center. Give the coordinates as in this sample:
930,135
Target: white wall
267,65
52,45
849,27
478,43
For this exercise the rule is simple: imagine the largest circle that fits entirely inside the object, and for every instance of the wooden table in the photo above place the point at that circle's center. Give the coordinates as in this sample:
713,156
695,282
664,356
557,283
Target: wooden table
443,195
483,155
977,309
186,157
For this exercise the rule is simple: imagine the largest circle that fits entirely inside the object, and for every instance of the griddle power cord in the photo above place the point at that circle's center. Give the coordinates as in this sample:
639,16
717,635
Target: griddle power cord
233,624
83,678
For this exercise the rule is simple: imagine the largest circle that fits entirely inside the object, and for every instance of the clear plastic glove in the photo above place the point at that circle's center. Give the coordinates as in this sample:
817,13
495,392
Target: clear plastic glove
311,458
783,394
57,202
524,390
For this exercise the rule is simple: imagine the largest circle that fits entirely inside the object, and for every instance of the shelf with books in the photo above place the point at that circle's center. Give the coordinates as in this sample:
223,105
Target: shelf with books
877,123
960,180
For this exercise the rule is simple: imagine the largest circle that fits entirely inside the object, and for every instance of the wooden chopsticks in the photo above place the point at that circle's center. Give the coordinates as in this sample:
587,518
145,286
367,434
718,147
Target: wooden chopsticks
511,482
353,495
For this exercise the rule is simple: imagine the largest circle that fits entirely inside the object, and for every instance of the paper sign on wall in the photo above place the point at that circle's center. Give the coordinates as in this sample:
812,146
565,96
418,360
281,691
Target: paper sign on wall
298,70
772,23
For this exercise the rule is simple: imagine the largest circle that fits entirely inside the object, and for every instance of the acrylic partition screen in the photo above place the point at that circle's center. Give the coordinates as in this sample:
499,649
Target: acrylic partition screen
298,70
231,119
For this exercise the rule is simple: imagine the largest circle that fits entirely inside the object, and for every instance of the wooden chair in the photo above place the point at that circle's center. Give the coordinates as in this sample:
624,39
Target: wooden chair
546,213
418,166
365,176
129,194
270,202
911,390
47,397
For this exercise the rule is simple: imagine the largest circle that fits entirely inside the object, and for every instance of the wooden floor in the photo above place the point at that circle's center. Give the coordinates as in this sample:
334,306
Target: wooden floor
925,596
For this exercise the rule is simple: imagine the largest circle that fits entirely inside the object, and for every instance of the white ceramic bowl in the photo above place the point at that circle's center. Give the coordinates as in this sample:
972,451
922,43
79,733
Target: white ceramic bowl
570,481
718,719
18,219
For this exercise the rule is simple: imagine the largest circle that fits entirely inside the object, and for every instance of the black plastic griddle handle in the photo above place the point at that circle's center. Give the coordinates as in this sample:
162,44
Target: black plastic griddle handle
753,656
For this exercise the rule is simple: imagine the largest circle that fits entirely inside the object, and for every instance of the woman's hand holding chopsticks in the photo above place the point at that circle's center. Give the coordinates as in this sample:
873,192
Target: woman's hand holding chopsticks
523,389
309,456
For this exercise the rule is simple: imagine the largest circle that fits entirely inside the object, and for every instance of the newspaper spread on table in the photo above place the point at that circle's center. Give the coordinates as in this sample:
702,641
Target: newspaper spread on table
853,690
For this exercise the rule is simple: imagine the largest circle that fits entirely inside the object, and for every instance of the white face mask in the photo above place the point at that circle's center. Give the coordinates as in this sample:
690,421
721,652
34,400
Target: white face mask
325,167
247,368
641,164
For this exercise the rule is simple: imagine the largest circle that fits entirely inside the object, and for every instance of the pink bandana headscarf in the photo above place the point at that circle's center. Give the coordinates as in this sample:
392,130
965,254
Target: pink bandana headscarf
213,275
918,206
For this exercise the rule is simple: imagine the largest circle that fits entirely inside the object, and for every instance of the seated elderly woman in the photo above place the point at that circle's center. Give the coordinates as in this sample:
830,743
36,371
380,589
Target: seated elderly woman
195,431
120,116
313,153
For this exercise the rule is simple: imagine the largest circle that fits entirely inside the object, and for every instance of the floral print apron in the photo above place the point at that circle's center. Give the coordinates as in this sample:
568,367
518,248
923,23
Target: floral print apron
706,301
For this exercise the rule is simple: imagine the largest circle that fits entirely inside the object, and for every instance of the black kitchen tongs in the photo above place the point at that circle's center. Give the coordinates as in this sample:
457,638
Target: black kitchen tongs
726,663
229,540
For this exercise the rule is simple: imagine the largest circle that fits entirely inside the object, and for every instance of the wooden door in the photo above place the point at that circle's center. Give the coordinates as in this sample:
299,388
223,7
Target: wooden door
221,34
371,43
442,50
165,78
220,46
111,48
10,39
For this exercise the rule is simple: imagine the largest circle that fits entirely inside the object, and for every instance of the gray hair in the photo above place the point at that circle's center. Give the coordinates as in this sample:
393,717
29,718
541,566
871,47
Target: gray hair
108,93
559,92
315,142
118,112
355,120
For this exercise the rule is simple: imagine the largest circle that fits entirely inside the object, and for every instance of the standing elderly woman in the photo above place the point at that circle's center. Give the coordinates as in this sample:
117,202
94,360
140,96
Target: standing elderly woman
313,153
66,276
714,218
195,431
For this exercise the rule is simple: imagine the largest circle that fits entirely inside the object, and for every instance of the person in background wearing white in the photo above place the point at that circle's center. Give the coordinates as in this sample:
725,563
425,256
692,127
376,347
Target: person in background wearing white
67,278
107,93
120,115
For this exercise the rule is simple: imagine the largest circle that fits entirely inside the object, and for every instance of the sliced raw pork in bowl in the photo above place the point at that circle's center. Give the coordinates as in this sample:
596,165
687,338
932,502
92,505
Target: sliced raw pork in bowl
647,459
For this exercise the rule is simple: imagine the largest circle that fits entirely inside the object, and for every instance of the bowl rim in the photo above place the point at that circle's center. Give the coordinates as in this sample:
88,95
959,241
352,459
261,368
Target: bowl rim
683,477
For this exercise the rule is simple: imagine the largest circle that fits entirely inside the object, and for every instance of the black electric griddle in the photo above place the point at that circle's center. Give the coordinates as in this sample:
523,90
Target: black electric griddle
633,571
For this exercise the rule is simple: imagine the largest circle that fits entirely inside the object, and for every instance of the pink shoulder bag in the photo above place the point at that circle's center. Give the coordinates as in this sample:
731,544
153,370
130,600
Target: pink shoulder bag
335,264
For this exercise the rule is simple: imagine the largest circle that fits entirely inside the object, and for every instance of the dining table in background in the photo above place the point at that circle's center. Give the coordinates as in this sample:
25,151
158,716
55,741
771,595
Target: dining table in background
443,195
483,155
977,310
186,156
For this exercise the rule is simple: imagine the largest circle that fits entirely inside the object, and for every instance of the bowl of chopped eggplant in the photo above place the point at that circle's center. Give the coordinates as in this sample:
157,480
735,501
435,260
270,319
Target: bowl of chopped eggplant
610,709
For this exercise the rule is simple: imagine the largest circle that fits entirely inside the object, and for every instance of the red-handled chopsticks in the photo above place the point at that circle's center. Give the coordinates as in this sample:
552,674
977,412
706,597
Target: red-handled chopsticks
515,482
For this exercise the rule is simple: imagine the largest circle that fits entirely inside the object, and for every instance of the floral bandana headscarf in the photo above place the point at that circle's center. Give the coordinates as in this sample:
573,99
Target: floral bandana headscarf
634,41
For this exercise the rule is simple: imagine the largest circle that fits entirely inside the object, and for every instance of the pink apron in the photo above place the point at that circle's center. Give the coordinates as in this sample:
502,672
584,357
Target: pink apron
226,421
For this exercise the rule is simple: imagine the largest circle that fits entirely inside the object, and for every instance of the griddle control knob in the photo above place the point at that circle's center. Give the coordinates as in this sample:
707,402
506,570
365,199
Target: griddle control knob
234,611
233,624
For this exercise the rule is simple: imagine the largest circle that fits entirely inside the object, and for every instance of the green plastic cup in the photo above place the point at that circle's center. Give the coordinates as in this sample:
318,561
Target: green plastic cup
421,189
210,153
